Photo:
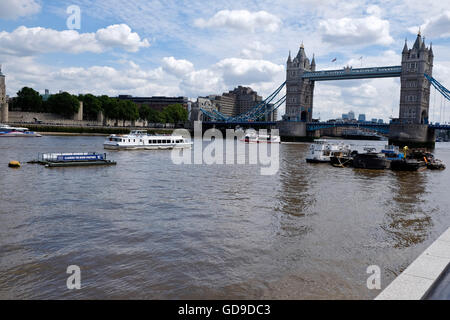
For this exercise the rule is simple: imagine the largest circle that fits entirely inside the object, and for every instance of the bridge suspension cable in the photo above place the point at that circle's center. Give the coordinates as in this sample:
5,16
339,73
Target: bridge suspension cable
442,90
254,113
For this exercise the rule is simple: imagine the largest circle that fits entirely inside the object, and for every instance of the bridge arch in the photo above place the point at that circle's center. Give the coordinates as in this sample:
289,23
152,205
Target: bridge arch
304,116
424,117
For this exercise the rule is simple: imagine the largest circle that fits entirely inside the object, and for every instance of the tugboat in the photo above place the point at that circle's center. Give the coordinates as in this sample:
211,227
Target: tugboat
371,160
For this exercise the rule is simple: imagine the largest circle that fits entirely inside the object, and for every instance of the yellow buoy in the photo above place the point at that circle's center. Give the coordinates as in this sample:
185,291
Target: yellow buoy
14,164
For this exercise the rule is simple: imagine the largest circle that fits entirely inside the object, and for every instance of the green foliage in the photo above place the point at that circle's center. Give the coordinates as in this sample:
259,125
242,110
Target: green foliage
151,115
128,110
67,105
29,100
175,113
92,105
63,103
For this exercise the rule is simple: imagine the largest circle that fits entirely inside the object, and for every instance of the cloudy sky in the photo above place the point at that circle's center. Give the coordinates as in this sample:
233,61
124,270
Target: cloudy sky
192,48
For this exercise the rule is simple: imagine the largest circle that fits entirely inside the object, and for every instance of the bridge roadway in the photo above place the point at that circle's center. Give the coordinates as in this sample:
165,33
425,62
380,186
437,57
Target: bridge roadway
313,126
357,73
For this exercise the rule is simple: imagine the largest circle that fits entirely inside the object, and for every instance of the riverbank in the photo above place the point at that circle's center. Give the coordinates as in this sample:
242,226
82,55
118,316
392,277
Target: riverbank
90,131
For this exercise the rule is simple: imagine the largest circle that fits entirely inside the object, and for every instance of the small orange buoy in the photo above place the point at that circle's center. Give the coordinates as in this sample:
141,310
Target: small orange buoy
14,164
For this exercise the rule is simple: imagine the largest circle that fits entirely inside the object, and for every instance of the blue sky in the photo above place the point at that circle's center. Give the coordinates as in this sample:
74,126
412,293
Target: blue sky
194,48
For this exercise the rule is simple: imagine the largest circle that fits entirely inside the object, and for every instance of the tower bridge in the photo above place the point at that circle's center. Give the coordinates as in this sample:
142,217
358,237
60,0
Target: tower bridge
411,127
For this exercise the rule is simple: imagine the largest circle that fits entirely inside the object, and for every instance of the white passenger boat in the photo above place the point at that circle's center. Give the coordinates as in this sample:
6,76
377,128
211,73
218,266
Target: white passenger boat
141,140
323,150
254,137
7,131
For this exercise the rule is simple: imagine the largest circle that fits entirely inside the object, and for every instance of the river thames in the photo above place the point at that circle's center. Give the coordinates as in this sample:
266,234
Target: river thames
150,229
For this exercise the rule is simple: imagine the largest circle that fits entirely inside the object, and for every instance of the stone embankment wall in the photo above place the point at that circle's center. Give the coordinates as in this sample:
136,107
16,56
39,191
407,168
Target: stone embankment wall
55,119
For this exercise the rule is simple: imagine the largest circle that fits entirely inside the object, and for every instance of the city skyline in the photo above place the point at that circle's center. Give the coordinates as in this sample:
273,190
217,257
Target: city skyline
149,49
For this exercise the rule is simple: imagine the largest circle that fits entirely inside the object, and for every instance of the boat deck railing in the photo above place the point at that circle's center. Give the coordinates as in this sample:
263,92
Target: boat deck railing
71,156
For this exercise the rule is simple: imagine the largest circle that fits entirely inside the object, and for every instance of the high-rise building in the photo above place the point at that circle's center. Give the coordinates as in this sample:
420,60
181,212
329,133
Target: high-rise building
226,104
246,98
351,115
362,117
345,116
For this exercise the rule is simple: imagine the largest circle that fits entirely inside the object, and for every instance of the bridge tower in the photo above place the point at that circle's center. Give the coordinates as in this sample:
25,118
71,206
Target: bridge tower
412,129
415,88
299,91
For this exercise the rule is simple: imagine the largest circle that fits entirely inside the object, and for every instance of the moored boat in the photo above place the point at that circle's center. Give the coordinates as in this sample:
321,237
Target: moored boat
324,150
140,140
72,159
371,160
408,165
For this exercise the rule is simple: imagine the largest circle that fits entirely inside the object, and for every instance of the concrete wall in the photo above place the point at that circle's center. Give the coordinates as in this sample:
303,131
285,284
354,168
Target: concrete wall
411,135
4,113
292,131
55,119
79,115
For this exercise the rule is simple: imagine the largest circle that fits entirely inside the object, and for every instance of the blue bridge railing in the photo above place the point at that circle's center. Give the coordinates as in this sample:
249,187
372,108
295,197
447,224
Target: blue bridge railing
350,73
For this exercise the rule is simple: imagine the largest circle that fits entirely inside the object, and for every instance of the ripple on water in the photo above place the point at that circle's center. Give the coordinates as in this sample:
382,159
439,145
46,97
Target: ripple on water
147,228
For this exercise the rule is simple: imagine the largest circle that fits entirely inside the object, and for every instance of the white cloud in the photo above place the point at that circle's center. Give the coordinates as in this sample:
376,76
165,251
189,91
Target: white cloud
436,27
241,20
177,67
120,36
356,31
245,71
256,50
374,10
25,41
12,9
173,77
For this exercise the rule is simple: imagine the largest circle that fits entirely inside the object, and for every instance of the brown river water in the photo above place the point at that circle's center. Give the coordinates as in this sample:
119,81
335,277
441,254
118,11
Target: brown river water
150,229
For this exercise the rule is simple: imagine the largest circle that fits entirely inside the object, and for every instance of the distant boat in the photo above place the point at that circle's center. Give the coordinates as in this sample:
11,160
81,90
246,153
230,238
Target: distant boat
358,134
8,131
254,137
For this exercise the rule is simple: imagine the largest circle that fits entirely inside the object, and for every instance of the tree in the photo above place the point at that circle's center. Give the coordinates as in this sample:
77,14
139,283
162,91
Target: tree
64,104
91,106
151,115
110,106
28,99
175,113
